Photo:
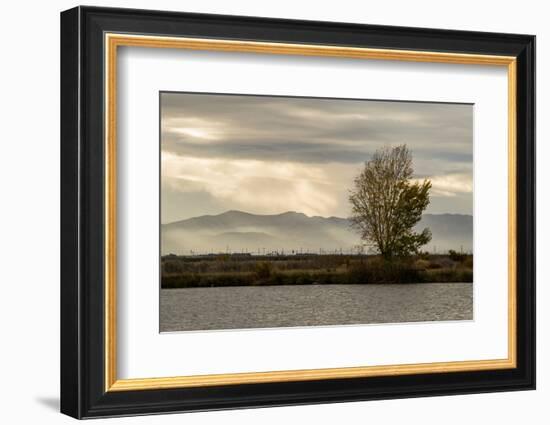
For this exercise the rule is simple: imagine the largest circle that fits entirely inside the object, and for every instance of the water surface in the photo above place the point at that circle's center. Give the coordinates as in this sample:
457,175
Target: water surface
312,305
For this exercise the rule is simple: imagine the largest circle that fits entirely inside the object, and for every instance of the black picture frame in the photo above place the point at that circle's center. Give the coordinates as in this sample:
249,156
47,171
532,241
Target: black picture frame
83,392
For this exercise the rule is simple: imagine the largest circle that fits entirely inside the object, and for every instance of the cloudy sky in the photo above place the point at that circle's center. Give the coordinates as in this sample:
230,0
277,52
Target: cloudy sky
268,155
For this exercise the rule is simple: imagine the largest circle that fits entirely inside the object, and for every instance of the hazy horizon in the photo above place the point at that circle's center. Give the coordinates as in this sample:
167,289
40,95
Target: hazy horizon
239,231
286,212
269,155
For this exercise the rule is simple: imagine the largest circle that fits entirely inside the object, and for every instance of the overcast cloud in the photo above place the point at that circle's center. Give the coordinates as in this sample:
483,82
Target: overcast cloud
267,155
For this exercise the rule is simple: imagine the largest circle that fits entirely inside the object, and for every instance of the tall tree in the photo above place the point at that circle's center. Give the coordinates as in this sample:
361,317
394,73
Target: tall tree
387,204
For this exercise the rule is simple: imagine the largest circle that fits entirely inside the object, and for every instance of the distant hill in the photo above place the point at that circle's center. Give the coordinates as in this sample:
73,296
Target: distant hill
237,231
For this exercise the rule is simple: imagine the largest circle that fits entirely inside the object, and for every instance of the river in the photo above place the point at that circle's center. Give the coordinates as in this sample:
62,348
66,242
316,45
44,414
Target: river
312,305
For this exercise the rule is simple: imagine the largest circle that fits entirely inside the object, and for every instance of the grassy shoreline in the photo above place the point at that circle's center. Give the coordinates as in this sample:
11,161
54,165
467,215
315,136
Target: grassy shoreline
227,270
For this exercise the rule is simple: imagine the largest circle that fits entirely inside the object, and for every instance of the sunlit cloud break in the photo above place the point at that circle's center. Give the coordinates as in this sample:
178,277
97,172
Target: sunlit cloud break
450,184
252,185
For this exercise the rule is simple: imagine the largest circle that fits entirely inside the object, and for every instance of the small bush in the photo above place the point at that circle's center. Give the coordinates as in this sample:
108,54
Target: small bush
424,255
385,272
264,269
446,263
421,264
433,265
456,256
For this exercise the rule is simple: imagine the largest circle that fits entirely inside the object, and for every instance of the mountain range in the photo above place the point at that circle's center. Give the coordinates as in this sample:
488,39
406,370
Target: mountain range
237,231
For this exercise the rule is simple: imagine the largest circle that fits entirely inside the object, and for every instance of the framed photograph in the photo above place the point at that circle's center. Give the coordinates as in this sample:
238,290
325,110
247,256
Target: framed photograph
261,212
